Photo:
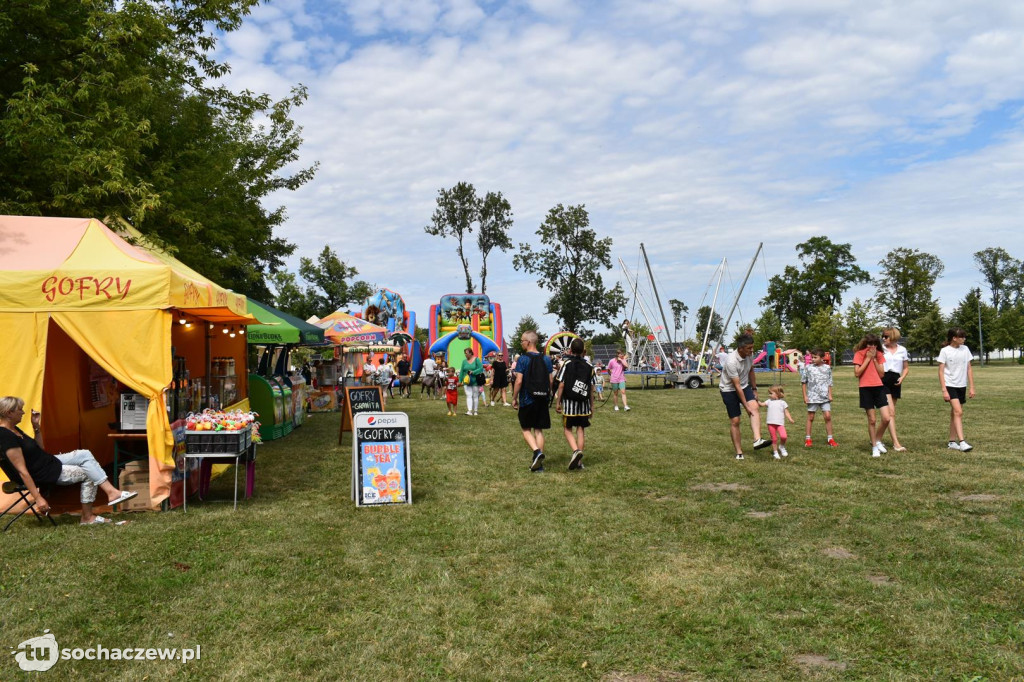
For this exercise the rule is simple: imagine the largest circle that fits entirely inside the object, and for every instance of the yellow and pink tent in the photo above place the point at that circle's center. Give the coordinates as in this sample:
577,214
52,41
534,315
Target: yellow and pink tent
74,295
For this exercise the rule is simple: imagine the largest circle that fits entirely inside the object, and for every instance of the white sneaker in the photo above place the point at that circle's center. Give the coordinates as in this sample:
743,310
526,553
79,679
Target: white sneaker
875,452
881,447
469,414
492,403
775,455
474,413
953,445
739,456
616,408
965,446
783,451
627,408
507,404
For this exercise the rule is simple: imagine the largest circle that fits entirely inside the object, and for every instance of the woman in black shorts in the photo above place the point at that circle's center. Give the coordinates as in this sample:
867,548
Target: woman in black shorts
897,365
868,367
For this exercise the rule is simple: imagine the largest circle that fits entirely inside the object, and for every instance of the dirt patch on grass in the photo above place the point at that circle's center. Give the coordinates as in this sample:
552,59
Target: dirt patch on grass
810,661
839,553
720,487
981,497
659,497
758,514
879,579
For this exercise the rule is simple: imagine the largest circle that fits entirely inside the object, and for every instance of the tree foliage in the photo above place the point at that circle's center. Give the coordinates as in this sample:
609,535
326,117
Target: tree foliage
1002,272
679,311
495,223
927,334
458,210
111,111
768,327
904,287
861,318
323,289
827,270
966,314
569,266
717,325
526,323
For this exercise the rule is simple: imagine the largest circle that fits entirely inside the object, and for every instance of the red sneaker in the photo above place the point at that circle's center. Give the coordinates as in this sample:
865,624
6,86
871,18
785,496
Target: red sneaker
807,443
832,443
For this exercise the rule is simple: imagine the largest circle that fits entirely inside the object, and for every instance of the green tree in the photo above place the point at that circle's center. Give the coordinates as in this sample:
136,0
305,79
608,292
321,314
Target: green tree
111,111
965,315
457,210
570,266
826,330
292,297
827,271
495,222
768,327
679,311
526,323
717,324
861,318
1000,271
904,288
1009,329
928,334
329,277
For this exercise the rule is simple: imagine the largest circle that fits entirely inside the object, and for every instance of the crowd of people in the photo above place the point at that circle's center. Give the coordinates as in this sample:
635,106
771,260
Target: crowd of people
880,365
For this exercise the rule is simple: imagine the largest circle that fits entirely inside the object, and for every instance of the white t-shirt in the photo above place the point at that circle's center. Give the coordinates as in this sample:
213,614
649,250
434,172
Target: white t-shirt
895,359
429,367
776,412
955,362
735,366
722,357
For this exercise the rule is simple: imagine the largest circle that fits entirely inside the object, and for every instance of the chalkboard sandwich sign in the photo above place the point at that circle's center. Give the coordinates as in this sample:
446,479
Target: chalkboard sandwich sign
359,400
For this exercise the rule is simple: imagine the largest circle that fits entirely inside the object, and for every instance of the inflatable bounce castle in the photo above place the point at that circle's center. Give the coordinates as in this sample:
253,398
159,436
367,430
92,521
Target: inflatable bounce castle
387,309
463,321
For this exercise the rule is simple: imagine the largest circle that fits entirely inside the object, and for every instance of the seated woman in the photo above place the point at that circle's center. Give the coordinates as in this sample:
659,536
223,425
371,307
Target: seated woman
35,466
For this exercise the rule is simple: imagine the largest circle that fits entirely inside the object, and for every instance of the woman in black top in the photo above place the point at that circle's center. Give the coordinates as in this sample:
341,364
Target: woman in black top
24,460
499,382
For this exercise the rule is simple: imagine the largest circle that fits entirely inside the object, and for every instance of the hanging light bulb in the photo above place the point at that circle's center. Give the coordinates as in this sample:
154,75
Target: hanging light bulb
188,325
232,335
241,330
225,330
211,325
181,320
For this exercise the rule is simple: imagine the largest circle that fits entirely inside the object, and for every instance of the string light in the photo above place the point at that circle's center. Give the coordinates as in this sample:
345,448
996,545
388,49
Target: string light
225,330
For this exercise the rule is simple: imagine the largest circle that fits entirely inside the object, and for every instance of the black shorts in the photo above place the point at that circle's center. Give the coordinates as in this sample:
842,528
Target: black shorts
873,396
733,406
957,393
535,415
582,422
889,380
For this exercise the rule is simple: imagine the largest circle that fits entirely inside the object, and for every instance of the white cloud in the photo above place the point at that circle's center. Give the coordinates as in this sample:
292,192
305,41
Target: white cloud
698,128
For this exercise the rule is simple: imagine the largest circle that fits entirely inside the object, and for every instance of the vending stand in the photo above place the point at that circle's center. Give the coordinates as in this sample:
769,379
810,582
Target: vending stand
88,317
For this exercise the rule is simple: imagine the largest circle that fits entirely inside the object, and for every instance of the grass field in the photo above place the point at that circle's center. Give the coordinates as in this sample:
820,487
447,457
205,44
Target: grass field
664,560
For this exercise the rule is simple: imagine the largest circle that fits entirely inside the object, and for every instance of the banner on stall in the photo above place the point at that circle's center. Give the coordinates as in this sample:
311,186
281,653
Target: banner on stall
359,399
381,473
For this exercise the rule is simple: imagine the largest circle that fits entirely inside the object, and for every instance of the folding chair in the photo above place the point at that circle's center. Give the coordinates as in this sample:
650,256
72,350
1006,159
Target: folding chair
15,487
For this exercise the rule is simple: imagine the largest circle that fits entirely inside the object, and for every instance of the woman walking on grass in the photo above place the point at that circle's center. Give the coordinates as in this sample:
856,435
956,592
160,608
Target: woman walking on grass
868,367
897,365
957,381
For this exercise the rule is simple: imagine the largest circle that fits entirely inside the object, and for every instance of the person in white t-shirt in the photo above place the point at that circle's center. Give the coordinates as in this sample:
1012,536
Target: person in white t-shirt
428,377
897,365
957,381
738,387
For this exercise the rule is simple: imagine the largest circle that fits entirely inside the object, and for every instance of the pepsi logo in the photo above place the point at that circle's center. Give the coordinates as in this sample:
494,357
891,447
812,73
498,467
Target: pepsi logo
371,421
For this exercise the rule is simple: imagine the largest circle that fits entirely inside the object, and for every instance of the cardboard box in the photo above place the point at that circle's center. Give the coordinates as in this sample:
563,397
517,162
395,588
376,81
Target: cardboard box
136,481
135,466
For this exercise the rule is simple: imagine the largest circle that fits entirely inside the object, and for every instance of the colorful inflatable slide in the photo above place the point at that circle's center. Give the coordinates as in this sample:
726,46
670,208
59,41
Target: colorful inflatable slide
463,321
387,309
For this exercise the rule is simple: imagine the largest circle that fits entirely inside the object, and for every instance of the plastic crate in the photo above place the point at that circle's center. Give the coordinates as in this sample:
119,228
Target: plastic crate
216,442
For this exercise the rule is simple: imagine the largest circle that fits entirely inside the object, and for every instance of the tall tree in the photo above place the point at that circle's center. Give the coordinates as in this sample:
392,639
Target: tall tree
861,318
679,310
717,324
826,330
928,334
111,110
827,271
526,323
767,327
904,287
1009,329
999,270
495,222
329,277
457,209
966,314
570,266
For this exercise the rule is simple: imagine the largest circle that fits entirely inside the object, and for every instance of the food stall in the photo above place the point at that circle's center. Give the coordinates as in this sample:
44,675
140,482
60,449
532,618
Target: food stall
88,317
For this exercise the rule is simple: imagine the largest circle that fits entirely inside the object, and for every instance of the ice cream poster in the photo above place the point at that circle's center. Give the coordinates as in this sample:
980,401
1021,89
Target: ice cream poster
382,459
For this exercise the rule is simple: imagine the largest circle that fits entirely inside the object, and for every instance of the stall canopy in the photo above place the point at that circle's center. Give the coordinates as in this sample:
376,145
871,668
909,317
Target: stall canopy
116,301
280,328
344,329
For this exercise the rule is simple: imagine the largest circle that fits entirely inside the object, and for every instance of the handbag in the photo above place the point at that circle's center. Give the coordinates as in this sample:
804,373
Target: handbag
481,379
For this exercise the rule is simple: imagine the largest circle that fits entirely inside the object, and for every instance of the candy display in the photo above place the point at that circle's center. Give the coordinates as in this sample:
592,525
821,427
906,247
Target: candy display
215,422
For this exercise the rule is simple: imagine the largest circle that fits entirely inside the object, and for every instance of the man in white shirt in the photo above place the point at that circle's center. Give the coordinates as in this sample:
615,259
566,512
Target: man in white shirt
428,379
738,386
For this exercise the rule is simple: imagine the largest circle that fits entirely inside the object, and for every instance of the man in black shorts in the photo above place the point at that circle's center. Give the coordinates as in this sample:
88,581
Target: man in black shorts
534,417
738,386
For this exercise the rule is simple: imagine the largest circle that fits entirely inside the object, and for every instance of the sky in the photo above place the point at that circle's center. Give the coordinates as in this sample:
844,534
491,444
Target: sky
699,128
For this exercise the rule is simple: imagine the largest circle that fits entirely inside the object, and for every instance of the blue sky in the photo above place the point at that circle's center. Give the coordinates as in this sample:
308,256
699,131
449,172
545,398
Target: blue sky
698,128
